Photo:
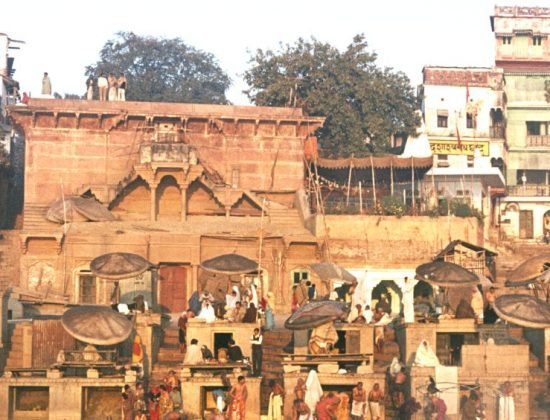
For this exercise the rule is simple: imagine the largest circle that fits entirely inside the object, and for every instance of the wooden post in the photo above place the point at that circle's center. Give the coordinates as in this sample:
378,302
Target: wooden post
391,177
413,198
360,199
349,180
373,179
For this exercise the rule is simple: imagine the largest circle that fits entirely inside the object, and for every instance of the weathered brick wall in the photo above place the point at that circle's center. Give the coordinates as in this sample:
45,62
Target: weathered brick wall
391,241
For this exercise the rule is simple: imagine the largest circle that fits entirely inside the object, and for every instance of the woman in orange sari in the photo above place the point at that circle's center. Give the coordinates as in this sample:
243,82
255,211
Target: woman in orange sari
238,394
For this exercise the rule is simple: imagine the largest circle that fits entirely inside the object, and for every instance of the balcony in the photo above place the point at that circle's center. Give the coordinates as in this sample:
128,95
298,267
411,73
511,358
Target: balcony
538,141
496,132
529,190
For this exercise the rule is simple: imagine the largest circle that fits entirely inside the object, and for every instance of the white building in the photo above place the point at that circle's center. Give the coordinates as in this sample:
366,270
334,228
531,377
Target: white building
463,110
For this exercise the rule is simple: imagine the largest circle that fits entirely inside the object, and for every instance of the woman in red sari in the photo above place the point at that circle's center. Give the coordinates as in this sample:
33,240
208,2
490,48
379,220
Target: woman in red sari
153,406
239,394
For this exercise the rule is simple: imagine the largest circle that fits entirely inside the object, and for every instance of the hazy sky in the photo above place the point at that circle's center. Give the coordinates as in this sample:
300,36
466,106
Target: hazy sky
63,36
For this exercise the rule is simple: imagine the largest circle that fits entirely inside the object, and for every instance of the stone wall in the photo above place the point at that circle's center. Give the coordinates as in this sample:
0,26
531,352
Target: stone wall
384,240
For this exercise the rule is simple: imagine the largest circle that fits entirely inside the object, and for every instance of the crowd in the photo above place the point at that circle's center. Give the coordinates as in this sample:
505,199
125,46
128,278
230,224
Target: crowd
161,402
109,87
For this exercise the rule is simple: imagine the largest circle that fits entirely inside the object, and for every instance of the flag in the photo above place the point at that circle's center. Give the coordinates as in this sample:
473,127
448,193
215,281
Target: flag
458,136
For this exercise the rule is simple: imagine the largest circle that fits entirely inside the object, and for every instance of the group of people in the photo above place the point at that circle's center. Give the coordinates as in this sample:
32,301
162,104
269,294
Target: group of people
239,305
161,402
110,87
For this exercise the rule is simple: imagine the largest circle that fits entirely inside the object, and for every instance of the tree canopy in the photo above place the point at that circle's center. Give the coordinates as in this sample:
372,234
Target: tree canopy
359,99
164,70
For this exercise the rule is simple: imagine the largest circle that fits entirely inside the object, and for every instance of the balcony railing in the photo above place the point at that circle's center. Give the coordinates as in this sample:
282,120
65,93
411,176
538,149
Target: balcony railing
538,141
529,190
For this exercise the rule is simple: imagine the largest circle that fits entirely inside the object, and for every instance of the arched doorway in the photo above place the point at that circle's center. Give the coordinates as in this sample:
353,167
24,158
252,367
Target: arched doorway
169,199
391,291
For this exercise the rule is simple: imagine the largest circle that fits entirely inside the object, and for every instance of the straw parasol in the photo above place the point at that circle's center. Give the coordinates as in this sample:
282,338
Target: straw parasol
98,325
529,271
446,274
331,272
68,209
230,264
316,313
119,265
523,310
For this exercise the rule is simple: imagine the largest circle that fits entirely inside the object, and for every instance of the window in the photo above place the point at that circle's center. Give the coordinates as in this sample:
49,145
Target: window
87,288
506,40
29,402
470,120
235,177
470,161
533,128
299,275
464,196
442,161
537,40
442,120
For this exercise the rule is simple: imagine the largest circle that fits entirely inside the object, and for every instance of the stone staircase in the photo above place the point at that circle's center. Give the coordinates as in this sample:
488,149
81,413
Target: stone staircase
287,218
15,355
34,219
168,356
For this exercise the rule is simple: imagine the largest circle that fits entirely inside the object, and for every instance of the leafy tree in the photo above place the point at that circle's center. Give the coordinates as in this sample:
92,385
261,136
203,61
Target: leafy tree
359,99
164,70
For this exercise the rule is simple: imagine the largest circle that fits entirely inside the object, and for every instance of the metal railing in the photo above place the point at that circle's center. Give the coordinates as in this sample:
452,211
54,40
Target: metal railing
529,190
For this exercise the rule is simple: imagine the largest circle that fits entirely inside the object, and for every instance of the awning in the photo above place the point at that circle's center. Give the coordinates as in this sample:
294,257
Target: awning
446,274
526,311
119,265
230,264
528,271
317,313
378,162
98,325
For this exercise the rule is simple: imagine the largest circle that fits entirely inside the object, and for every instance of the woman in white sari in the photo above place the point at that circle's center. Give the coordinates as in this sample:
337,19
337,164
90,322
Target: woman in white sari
314,392
425,356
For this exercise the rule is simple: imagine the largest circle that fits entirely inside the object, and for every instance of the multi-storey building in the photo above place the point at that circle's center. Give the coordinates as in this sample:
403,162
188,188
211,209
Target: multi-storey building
523,52
463,110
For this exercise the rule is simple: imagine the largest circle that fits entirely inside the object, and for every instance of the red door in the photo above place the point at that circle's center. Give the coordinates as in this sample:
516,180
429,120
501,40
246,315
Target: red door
173,288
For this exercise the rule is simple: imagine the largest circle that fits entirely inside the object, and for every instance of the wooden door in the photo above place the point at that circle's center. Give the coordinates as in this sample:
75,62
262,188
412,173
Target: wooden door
173,288
526,224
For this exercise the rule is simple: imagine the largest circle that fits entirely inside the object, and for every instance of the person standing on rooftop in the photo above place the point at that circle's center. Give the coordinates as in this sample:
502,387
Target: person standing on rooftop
46,85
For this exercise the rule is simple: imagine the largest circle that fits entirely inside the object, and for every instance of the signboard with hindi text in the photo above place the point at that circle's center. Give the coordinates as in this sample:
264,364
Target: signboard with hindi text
453,147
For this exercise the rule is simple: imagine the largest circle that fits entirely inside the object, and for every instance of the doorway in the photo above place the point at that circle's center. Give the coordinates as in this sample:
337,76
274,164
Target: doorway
173,288
221,341
526,224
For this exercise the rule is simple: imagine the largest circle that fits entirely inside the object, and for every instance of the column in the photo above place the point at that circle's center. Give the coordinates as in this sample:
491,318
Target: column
184,203
153,203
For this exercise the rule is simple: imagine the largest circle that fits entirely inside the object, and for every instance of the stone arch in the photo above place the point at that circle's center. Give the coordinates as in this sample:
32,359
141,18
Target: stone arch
133,202
202,201
169,201
393,293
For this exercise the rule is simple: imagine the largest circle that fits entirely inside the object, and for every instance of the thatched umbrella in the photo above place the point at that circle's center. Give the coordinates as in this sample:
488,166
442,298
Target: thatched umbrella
67,210
316,313
446,274
529,271
230,264
328,272
523,310
98,325
119,265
